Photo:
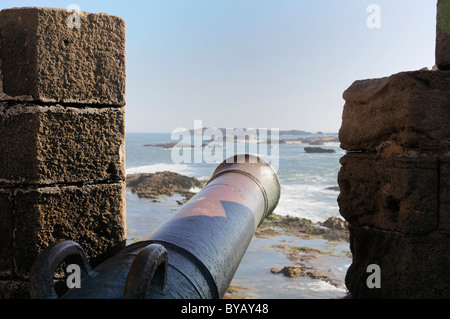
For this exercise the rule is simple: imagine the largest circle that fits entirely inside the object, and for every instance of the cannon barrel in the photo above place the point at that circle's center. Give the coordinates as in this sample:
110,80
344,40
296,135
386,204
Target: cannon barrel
193,255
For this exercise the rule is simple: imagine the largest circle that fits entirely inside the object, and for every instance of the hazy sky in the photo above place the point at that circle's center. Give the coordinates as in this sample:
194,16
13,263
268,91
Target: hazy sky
258,63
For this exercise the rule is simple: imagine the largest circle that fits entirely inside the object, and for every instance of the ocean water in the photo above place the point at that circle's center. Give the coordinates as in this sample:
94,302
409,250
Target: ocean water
305,180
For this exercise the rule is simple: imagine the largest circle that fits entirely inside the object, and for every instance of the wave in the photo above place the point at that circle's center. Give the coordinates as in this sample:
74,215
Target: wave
161,167
321,286
313,202
333,144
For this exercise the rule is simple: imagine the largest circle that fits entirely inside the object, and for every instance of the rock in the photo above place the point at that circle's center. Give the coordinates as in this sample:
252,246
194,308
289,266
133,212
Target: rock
412,267
335,223
237,292
43,59
290,271
49,144
90,214
394,194
155,185
318,150
406,113
275,225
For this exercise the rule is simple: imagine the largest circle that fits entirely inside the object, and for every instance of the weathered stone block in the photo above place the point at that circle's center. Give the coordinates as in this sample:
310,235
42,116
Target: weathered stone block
390,193
410,266
93,216
6,232
45,58
54,144
444,195
407,112
443,35
14,289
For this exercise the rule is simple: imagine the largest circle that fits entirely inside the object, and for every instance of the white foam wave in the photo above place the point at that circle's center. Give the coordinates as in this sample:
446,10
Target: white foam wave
334,144
313,202
322,286
195,190
161,167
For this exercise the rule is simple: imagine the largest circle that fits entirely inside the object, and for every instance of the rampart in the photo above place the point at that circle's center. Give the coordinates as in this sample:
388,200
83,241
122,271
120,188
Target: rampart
62,128
395,179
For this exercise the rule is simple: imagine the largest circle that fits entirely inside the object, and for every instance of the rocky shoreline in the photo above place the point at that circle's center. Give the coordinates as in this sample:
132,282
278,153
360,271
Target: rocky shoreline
160,184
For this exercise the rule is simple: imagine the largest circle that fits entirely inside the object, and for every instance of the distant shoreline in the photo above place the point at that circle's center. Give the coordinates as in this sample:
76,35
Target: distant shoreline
281,132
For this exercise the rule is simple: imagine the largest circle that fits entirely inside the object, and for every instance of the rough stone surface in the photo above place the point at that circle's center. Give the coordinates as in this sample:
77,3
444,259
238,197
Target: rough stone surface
443,35
395,184
407,112
93,216
62,151
6,233
444,195
55,144
14,289
396,194
43,59
411,266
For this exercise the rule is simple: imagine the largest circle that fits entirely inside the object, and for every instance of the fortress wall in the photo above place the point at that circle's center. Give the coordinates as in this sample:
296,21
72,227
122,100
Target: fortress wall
62,128
395,179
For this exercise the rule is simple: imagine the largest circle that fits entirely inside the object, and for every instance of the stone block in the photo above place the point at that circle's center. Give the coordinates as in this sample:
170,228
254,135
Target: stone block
92,215
14,289
390,193
55,144
6,233
443,35
44,58
406,113
411,266
444,195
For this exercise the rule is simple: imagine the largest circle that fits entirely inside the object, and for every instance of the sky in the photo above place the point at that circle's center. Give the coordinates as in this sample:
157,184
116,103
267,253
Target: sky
259,63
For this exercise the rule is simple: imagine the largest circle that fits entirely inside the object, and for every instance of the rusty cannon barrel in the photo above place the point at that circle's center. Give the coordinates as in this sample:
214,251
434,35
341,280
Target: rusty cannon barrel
193,255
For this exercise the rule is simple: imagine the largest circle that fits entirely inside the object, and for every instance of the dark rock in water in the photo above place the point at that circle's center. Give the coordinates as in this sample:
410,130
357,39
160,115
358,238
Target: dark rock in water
274,225
159,184
333,188
318,150
335,223
290,271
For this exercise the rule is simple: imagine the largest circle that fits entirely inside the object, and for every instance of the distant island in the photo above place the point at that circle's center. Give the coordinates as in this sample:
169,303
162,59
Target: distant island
224,131
246,137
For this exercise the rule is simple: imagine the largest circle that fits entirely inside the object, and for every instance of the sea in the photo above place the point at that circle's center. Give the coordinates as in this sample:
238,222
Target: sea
308,190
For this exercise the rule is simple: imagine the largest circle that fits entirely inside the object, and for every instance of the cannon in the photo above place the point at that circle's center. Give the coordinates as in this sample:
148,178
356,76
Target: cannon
193,255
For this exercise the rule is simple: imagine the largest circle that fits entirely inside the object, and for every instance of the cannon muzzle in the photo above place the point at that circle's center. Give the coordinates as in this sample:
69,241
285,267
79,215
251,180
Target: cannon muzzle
193,255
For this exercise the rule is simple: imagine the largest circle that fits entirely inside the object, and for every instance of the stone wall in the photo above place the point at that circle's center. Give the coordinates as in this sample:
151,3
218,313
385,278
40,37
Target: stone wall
62,146
395,180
